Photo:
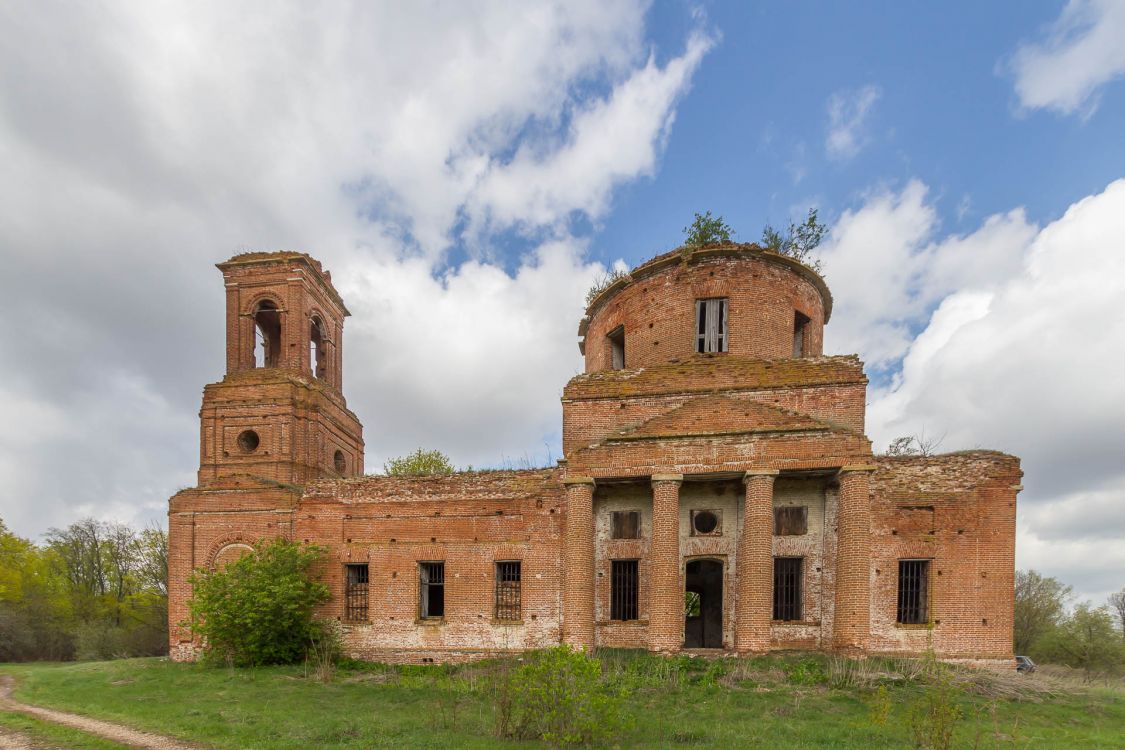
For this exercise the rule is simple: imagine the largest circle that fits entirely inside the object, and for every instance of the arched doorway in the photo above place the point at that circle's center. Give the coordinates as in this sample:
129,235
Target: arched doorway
703,604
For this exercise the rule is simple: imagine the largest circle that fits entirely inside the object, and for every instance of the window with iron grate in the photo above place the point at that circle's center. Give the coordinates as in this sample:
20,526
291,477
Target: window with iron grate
508,590
913,592
355,592
623,590
787,588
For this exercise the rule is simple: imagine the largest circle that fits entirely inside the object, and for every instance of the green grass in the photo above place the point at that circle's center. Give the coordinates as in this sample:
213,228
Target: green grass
774,702
52,735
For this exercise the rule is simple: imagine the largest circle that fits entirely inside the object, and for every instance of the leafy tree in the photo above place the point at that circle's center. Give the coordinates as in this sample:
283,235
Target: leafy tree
707,230
419,463
799,241
1040,606
1117,604
259,608
1087,639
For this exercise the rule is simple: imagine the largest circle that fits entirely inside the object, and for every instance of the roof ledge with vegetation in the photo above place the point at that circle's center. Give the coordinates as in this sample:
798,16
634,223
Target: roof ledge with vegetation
688,254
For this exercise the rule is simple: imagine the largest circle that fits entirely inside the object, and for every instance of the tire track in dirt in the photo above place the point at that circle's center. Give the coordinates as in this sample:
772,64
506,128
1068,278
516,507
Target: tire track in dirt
104,729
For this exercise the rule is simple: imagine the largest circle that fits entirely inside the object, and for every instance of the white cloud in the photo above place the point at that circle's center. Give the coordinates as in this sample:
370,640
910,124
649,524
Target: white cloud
1023,353
847,121
142,143
888,268
1082,52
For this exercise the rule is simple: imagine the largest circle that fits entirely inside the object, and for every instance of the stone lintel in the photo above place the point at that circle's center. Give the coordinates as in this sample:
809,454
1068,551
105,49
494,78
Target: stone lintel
667,477
1016,488
858,467
759,473
578,479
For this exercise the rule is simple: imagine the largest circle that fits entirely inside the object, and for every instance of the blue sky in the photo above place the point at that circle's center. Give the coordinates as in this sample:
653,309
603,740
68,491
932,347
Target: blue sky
749,136
468,169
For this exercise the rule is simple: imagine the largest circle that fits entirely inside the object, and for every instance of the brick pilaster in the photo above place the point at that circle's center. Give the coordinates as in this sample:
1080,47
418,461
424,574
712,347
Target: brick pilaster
852,618
578,557
754,607
666,603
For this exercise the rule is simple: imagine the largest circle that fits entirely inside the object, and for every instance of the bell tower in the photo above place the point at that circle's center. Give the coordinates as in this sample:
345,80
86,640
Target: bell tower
279,413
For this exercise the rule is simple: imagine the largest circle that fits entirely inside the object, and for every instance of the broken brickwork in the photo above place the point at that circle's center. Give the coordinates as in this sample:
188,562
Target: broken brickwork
717,490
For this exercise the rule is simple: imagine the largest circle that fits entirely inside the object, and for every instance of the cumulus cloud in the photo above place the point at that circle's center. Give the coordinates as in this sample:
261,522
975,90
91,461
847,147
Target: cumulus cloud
847,121
142,143
1019,348
1081,52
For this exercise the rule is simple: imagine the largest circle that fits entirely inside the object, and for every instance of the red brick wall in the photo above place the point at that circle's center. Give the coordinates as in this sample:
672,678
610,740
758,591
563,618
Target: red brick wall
300,425
831,389
657,308
469,521
957,510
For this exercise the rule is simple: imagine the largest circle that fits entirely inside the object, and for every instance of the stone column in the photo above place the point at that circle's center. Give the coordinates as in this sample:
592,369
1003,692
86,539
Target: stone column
666,597
852,619
754,608
578,564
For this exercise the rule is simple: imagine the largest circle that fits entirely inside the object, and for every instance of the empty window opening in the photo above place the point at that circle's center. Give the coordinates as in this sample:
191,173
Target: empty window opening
711,325
790,520
626,524
267,335
508,582
339,462
431,588
617,348
355,592
705,523
703,604
623,590
787,588
800,326
318,359
248,441
913,591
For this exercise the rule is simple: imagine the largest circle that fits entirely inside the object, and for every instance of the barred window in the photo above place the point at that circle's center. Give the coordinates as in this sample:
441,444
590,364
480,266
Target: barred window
431,590
626,524
913,592
508,594
355,592
623,590
711,325
790,520
787,588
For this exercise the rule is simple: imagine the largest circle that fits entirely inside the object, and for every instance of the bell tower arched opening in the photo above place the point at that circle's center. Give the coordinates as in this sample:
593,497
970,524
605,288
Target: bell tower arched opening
267,334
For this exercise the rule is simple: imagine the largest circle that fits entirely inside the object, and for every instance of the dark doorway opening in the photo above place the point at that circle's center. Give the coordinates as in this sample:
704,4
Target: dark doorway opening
703,604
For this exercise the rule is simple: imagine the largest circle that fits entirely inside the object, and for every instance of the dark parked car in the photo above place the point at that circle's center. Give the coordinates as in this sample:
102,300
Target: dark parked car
1025,664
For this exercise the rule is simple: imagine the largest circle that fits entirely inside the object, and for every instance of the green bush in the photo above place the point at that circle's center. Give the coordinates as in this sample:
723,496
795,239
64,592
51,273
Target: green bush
420,463
558,696
259,609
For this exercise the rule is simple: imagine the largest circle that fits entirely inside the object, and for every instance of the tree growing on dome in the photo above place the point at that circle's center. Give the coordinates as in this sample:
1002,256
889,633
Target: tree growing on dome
799,240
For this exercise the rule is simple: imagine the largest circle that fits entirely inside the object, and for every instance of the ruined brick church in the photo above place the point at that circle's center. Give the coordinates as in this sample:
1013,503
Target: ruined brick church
717,491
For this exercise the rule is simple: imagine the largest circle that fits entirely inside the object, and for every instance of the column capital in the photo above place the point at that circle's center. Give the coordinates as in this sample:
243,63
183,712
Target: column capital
852,468
751,473
667,478
578,479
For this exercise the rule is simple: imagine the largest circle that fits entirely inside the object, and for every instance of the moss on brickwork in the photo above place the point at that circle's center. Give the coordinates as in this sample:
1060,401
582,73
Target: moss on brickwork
714,373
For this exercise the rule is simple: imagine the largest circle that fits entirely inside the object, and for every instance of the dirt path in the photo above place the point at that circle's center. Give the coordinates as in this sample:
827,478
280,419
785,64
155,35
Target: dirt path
115,732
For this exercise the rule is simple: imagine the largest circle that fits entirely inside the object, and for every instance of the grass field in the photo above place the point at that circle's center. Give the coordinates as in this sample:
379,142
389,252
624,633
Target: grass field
796,701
